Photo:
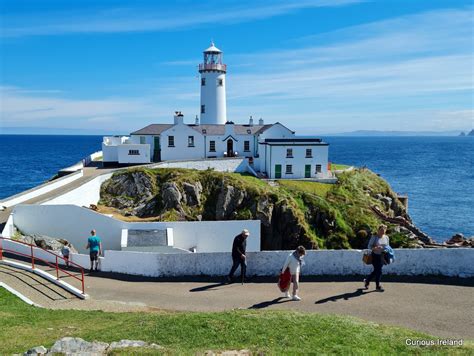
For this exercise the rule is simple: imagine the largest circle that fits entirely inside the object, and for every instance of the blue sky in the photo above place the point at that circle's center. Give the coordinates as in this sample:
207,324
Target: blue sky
317,66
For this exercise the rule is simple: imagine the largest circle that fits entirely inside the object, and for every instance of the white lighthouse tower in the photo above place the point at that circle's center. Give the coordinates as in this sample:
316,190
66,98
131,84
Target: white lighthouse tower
213,98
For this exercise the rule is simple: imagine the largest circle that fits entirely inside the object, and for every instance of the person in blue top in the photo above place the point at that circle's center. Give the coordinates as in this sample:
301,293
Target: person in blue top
94,244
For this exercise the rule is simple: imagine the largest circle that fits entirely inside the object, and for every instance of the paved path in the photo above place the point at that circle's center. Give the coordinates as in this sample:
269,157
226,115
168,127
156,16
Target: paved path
438,309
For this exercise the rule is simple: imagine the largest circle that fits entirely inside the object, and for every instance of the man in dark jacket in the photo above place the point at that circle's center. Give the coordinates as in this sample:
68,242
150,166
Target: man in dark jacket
238,255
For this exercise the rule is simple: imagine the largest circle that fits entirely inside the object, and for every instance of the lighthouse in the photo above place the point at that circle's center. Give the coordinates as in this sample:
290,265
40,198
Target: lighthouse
213,97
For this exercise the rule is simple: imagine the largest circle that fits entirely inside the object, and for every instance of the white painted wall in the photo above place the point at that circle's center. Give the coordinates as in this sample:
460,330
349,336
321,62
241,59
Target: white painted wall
277,155
181,150
85,195
220,165
74,223
453,262
41,189
213,96
124,156
445,262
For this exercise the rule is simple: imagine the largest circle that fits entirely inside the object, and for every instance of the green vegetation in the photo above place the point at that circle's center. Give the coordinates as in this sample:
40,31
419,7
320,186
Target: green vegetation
274,332
293,212
337,167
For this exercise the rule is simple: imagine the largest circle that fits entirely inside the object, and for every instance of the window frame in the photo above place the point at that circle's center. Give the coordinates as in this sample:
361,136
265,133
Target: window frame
289,153
203,109
310,155
290,170
203,82
171,141
134,152
190,141
320,166
220,82
247,146
212,143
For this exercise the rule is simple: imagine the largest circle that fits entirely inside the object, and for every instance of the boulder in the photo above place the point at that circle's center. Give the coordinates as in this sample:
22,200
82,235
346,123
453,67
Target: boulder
171,196
228,201
132,343
38,350
48,243
192,193
76,345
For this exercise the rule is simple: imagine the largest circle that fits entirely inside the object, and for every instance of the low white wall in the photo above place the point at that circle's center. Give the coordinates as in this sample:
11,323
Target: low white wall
239,165
42,189
88,193
446,262
453,262
74,223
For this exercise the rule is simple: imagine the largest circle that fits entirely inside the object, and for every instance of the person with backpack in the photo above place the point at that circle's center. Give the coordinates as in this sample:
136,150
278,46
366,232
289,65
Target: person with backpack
377,244
294,262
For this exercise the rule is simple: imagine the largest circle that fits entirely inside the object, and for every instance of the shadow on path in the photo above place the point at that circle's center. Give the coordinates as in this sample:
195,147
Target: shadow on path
266,304
208,287
346,296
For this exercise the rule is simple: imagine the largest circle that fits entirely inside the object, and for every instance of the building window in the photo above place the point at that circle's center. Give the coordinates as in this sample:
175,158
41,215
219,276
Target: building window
289,153
133,152
309,153
190,141
203,81
203,109
289,169
170,141
220,82
142,140
318,168
212,146
247,146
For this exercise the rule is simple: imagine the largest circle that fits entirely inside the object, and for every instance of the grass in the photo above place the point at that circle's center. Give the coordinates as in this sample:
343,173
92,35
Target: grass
337,167
273,332
319,189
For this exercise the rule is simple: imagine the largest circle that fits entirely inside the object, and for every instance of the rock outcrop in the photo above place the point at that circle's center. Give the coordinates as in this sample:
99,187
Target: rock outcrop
45,242
289,217
78,346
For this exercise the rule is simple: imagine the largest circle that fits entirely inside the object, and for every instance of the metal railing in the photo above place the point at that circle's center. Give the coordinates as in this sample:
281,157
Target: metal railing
50,264
213,66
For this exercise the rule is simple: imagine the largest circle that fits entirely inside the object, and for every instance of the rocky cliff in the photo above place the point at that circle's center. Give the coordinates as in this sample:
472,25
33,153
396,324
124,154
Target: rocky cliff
292,213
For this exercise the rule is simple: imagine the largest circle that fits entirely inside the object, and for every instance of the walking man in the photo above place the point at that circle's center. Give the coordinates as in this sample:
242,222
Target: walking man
238,255
94,245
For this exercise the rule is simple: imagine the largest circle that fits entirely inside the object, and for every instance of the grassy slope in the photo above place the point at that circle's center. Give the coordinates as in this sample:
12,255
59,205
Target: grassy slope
23,326
346,203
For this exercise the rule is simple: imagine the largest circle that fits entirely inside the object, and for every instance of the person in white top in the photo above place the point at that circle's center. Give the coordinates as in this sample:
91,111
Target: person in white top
294,261
376,245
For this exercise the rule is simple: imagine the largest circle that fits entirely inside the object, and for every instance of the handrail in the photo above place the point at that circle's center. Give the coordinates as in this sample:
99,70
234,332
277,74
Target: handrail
33,258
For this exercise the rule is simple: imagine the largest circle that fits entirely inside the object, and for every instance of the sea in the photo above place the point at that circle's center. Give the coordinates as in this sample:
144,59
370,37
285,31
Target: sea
437,173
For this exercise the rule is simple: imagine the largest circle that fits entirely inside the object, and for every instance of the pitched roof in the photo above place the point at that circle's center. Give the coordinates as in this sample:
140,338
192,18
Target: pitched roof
211,129
153,129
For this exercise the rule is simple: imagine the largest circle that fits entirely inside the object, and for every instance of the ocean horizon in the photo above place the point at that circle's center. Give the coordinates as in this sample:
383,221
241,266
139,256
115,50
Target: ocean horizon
436,172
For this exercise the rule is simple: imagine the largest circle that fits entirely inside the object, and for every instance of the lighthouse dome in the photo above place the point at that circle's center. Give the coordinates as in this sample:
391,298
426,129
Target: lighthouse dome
212,49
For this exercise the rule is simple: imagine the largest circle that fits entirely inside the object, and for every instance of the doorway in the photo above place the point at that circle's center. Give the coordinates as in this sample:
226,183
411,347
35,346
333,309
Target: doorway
307,171
156,149
230,148
277,171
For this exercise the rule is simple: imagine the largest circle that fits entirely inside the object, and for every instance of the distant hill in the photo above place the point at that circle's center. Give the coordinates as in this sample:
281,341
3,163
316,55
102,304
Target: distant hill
471,133
397,133
52,131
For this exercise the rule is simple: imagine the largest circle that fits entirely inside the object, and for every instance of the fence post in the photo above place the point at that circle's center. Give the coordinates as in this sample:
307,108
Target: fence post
32,258
57,268
82,274
1,248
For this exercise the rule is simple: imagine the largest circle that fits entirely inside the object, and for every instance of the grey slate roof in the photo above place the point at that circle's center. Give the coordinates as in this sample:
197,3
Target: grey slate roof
153,129
211,129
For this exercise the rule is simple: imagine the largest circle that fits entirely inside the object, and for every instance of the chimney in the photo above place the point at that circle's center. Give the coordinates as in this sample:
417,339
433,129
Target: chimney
260,122
229,128
178,117
196,122
251,121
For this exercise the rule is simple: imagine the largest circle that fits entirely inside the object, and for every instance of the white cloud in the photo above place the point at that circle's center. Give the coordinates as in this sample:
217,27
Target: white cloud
112,20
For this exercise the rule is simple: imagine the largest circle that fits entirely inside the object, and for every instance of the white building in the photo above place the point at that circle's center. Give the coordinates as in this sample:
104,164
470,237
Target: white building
272,150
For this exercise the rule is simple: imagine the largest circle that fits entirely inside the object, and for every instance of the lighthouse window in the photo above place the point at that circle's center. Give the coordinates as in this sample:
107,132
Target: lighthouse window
190,141
203,109
203,81
170,141
246,146
212,146
220,82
